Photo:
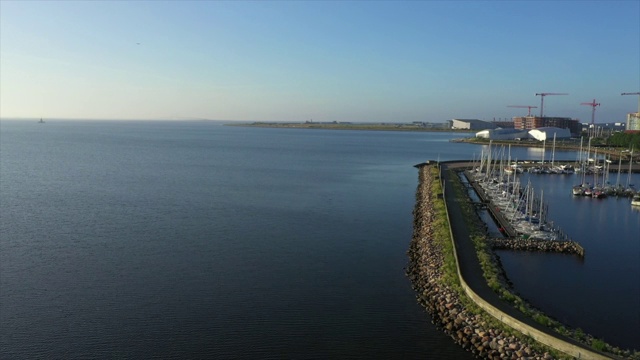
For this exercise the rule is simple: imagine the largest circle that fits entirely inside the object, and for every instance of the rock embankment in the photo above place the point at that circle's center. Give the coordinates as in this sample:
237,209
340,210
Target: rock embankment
563,247
426,261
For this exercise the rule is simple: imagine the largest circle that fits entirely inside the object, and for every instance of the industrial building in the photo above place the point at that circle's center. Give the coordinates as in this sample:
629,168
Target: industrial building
547,133
534,122
540,134
471,124
503,134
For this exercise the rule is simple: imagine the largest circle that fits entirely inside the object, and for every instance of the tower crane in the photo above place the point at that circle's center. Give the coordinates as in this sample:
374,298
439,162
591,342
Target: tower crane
524,106
635,93
542,95
593,104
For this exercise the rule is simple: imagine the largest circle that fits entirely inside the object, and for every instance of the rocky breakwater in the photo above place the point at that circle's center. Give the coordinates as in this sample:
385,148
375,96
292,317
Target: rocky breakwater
427,272
563,247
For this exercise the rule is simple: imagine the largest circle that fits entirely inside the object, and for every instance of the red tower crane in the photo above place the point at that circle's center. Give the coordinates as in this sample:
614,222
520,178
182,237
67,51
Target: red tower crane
593,104
524,106
542,95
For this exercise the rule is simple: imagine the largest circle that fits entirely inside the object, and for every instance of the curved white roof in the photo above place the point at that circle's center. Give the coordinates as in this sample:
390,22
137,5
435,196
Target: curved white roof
545,133
502,134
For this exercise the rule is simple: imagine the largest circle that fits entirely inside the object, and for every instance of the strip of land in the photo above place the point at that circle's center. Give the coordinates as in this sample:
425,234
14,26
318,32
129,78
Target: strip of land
421,127
451,312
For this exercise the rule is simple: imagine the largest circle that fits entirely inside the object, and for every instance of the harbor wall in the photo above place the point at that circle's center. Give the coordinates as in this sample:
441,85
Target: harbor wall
446,309
542,337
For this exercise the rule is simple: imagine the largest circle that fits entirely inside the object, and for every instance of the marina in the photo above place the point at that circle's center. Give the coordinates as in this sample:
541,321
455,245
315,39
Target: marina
523,227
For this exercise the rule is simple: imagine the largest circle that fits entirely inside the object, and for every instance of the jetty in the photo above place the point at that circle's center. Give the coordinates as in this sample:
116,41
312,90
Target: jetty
448,312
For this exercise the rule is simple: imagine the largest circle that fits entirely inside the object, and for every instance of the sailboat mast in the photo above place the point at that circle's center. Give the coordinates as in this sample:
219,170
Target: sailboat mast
580,152
553,152
541,208
619,168
630,163
595,167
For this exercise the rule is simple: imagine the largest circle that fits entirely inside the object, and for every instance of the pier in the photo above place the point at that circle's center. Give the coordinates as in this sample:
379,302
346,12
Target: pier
469,330
513,240
505,225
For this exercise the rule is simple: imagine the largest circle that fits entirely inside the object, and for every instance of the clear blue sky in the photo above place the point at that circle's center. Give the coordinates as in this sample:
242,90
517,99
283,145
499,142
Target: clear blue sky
321,60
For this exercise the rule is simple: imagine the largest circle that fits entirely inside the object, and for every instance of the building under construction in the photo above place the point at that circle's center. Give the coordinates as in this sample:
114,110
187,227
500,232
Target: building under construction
534,122
633,121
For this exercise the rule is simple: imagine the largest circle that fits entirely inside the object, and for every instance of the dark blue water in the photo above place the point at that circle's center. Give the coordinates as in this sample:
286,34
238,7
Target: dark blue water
196,240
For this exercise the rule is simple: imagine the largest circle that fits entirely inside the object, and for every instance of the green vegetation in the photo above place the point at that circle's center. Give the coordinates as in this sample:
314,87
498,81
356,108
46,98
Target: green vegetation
442,236
624,140
598,344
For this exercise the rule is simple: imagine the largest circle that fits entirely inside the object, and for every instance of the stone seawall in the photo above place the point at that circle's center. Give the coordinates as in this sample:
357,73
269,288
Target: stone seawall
425,269
563,247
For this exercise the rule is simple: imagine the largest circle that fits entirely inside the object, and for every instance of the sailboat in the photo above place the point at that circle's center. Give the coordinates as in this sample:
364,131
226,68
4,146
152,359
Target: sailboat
630,191
41,121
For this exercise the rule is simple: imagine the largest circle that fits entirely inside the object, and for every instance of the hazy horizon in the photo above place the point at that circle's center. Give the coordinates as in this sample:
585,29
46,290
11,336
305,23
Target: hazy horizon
327,61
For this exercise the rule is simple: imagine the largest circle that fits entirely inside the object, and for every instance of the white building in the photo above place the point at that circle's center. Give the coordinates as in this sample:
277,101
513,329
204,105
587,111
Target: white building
503,134
546,133
471,124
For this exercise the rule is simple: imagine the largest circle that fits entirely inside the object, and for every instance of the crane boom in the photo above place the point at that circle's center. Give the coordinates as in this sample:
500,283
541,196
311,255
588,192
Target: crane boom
542,95
635,93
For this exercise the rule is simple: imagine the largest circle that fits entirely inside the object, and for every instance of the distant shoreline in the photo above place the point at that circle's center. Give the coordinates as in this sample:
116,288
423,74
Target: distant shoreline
352,126
560,145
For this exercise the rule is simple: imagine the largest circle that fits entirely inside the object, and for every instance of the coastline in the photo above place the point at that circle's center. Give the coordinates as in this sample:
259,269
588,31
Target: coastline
614,153
441,296
349,126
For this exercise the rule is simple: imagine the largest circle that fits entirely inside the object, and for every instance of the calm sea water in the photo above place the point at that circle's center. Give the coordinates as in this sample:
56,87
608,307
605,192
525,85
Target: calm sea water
192,239
196,240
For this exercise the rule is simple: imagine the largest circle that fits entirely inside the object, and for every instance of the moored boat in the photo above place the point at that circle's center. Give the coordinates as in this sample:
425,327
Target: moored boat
598,193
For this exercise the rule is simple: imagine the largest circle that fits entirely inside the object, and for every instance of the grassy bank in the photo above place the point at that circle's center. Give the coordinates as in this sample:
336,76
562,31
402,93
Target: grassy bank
450,279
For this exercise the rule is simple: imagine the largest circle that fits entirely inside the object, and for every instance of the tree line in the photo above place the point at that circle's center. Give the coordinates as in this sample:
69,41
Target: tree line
624,139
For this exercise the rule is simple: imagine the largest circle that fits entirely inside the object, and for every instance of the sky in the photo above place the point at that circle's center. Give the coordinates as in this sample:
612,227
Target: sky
360,61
